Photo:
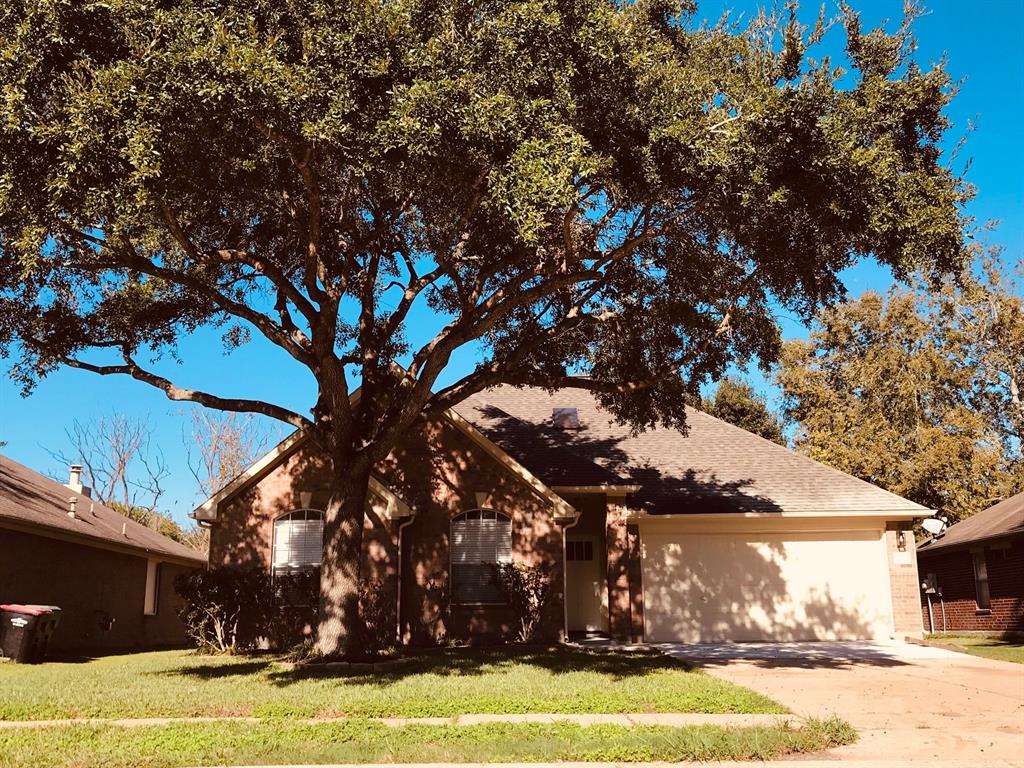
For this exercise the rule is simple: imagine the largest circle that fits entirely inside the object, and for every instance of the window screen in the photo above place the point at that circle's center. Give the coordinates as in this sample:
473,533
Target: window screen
981,580
298,541
480,539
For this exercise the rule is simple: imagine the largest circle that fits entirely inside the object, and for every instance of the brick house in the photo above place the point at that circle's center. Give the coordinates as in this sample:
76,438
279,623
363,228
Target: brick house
979,566
112,577
715,535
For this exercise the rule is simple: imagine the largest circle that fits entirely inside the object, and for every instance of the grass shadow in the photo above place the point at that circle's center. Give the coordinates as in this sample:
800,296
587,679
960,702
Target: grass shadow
216,672
617,665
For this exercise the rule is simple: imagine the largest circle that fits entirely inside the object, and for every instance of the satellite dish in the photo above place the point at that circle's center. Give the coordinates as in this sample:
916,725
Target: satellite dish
934,525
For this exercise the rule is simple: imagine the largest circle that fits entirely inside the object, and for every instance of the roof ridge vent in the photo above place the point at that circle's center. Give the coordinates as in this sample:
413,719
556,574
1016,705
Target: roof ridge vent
566,417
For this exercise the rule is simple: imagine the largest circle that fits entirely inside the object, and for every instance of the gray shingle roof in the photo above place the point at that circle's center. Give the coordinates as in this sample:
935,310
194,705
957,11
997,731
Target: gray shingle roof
1004,519
28,498
716,467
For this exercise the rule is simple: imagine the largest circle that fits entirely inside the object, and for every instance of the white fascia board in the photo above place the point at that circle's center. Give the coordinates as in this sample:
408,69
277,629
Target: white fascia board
207,511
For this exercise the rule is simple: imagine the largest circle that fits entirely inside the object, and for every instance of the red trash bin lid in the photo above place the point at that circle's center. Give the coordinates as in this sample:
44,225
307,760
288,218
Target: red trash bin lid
31,610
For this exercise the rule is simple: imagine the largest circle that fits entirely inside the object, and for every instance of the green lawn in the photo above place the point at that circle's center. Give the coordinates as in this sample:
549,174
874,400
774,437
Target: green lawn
275,742
988,647
445,683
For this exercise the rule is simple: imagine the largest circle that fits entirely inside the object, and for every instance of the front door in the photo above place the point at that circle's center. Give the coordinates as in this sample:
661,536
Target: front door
586,597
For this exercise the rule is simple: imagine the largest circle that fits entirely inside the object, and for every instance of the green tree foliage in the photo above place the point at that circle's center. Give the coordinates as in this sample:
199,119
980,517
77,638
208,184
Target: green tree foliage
917,391
568,186
736,402
195,537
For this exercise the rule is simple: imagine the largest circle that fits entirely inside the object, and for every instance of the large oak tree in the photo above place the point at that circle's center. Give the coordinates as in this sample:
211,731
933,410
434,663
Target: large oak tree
592,193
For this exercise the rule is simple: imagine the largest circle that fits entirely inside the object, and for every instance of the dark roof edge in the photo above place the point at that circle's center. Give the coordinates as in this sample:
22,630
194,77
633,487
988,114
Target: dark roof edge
98,542
933,544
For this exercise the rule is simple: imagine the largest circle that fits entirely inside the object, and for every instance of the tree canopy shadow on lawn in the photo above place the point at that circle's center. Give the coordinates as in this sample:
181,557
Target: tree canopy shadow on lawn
811,661
482,660
218,671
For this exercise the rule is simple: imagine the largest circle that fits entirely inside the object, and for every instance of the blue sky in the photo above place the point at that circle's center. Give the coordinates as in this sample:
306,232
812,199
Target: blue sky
982,41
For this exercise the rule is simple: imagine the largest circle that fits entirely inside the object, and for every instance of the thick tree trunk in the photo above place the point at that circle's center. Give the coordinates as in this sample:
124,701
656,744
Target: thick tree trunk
339,621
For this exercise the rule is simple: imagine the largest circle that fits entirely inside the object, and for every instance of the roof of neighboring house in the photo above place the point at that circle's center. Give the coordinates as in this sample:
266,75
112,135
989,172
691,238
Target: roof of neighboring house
1004,519
33,501
715,468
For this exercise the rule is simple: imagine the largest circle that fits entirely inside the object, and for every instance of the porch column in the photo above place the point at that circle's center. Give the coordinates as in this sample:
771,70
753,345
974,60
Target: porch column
620,623
636,592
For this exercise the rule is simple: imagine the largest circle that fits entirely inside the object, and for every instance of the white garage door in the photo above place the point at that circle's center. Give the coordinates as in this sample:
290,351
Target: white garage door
711,587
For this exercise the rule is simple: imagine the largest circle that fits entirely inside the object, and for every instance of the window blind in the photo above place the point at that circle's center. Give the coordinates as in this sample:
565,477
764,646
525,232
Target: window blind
298,541
480,539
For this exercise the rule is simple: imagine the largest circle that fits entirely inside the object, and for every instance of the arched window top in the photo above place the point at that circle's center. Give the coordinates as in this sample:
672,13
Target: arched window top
301,514
482,514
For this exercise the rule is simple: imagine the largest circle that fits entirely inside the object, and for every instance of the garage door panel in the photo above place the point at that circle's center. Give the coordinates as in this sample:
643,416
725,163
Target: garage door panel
784,587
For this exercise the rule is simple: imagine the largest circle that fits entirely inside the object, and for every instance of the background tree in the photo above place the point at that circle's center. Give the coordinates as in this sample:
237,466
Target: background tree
917,391
736,402
220,446
567,186
119,462
126,472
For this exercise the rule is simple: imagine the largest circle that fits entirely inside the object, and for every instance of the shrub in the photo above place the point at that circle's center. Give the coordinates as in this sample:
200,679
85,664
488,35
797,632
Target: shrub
226,609
528,589
234,610
305,650
376,610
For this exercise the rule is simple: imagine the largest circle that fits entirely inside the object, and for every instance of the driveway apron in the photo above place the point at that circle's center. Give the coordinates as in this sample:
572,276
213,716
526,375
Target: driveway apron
908,702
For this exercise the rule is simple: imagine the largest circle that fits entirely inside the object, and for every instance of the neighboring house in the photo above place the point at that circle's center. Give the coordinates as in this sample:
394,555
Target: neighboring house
717,535
112,578
978,564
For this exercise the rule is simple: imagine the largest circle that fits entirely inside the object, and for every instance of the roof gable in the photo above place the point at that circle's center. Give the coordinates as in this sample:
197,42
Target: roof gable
266,463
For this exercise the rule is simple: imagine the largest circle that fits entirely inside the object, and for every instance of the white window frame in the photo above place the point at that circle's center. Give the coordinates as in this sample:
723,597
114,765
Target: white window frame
151,599
502,548
298,564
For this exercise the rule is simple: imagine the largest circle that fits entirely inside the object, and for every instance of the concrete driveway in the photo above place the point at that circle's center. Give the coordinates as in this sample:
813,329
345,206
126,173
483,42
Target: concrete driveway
908,702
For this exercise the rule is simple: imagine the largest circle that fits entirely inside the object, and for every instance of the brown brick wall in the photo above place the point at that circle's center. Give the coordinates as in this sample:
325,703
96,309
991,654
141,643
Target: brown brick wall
904,583
440,472
91,586
954,572
636,588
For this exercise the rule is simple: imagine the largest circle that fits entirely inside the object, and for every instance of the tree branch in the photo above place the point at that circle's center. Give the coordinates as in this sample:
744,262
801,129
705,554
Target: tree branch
174,392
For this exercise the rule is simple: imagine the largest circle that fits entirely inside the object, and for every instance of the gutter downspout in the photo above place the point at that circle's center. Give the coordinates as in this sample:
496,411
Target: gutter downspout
565,579
398,596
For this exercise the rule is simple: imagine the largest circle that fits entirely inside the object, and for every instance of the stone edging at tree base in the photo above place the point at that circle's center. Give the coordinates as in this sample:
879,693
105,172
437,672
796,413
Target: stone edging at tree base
358,667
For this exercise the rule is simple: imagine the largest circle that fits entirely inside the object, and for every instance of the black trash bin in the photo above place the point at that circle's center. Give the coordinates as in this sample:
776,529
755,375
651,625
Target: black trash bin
26,630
